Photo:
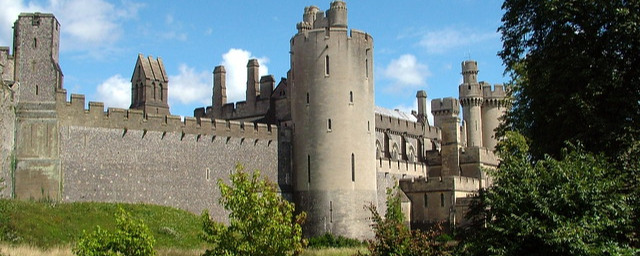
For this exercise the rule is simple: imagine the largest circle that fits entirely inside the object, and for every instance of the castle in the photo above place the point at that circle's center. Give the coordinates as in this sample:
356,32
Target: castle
317,133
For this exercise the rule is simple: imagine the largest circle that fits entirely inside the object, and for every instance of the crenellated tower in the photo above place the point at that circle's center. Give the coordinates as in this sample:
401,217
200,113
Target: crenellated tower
332,107
38,77
150,86
493,108
471,100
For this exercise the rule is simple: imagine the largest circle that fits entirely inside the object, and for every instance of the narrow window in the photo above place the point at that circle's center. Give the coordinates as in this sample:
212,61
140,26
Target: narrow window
308,169
37,89
441,200
35,43
353,167
208,173
366,68
329,124
351,96
326,65
161,92
331,211
307,98
426,201
155,89
368,126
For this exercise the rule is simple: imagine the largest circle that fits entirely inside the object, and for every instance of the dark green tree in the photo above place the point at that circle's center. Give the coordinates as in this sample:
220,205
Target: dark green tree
261,222
575,65
570,206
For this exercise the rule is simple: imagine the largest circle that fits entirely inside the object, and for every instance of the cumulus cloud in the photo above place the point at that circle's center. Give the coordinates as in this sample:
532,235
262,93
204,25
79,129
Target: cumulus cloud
235,63
90,24
115,92
190,86
444,40
406,71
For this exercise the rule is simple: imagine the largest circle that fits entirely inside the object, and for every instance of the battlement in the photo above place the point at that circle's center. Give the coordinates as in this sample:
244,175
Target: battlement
73,113
433,184
445,106
384,122
313,18
497,92
478,155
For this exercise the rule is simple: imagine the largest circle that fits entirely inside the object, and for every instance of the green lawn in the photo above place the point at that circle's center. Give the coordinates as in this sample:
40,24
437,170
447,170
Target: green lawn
46,224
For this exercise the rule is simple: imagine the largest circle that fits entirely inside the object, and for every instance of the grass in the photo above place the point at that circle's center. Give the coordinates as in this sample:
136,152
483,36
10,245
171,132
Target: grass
46,228
47,225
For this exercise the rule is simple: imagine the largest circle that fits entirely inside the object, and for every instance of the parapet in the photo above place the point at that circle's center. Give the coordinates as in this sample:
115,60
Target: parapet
313,18
431,184
446,106
384,122
73,113
498,91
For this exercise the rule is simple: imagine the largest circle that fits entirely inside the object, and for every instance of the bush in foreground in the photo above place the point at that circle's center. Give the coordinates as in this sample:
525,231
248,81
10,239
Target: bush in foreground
132,238
261,222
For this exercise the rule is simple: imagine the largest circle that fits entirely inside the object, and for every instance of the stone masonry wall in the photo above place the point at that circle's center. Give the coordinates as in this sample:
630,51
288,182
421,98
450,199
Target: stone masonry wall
114,165
7,133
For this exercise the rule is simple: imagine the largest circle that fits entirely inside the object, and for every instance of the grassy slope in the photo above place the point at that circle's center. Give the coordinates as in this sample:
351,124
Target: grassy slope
46,225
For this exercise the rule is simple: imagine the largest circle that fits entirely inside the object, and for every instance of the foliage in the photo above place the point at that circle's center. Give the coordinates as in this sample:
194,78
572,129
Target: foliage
132,238
575,69
393,237
570,206
261,222
329,240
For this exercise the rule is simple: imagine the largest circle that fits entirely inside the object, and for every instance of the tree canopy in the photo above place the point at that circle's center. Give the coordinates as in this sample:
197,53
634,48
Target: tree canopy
566,206
575,66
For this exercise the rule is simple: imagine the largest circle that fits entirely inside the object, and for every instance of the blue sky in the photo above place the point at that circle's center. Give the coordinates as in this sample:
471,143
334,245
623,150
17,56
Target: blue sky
418,44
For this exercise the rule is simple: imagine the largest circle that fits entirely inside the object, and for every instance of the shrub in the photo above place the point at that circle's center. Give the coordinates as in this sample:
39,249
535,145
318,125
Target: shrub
261,222
329,240
132,238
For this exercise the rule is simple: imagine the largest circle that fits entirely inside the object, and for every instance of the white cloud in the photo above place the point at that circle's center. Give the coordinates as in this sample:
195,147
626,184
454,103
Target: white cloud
90,24
235,63
190,87
406,71
444,40
115,92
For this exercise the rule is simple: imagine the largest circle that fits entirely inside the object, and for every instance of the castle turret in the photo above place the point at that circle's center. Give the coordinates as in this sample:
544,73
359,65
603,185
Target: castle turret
253,82
421,96
219,90
332,107
38,77
150,86
445,116
471,100
493,109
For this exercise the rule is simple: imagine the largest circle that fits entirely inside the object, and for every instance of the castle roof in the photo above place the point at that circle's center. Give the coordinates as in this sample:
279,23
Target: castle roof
150,69
395,113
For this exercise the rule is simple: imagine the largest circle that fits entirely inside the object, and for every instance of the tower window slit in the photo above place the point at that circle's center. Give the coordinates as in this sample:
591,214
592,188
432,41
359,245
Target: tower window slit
307,98
308,169
329,124
351,96
353,167
326,65
441,200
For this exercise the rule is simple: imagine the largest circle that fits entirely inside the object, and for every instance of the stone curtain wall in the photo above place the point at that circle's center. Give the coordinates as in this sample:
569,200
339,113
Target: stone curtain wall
7,133
165,168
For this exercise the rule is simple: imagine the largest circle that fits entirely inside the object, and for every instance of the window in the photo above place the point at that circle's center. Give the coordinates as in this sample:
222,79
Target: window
426,201
351,96
161,92
308,169
307,98
441,200
37,89
366,67
35,43
326,65
353,167
329,124
368,126
208,173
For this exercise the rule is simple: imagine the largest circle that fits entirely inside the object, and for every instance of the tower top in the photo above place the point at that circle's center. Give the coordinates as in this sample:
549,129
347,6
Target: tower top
313,18
470,71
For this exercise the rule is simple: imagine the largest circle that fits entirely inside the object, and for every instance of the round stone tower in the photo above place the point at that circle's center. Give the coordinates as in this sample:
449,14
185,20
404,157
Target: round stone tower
332,110
471,101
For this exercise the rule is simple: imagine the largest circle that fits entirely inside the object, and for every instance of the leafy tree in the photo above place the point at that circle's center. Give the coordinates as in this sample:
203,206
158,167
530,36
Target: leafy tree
393,237
132,238
261,222
575,67
570,206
